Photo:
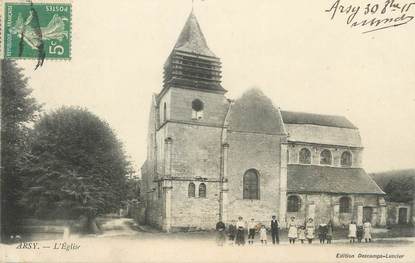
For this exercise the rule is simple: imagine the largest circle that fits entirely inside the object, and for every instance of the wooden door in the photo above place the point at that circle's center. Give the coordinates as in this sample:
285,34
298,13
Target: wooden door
403,213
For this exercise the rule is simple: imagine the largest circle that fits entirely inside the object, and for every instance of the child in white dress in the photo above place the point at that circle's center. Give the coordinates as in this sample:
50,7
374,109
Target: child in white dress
263,235
292,230
301,234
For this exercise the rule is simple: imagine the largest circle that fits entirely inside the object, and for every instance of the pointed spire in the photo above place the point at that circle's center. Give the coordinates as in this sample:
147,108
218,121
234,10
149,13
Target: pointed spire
191,38
191,64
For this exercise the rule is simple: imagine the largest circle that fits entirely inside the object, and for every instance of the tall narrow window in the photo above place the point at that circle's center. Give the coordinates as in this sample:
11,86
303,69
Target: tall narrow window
293,203
305,156
325,157
346,159
164,112
197,109
202,190
251,185
191,190
159,190
345,205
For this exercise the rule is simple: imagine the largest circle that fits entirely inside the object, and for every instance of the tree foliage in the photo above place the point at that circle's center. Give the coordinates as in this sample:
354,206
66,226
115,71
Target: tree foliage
133,189
77,166
401,189
399,185
18,110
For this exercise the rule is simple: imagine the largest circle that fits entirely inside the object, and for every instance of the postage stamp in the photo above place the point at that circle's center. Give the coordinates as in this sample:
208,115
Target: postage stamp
37,30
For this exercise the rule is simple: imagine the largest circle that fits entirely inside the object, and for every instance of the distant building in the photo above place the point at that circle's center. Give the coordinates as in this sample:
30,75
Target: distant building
211,158
399,188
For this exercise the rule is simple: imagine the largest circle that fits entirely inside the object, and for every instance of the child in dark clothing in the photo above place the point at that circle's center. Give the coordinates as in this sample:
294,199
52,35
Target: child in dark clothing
329,235
322,233
232,232
359,233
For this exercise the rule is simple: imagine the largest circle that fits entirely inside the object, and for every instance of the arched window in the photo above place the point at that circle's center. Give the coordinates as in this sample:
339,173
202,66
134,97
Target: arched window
197,109
346,159
164,112
345,204
202,190
305,156
251,185
293,203
325,157
191,190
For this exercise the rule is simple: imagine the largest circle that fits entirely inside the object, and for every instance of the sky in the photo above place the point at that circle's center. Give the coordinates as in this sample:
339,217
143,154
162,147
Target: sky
291,50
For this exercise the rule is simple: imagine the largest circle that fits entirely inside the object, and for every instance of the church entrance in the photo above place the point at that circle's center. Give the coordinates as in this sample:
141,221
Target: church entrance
367,214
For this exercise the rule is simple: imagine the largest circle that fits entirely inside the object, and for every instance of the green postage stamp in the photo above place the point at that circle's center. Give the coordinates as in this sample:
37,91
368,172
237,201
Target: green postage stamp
37,30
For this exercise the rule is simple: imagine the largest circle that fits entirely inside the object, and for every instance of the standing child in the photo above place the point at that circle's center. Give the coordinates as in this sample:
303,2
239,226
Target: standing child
367,227
263,235
301,234
322,233
240,231
352,231
329,235
274,230
221,236
359,233
292,230
251,231
232,232
309,230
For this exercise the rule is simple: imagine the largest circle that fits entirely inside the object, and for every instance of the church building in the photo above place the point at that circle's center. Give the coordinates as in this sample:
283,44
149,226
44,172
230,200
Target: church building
210,158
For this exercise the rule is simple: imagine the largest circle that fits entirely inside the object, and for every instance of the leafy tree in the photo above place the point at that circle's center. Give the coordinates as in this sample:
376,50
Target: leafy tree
133,189
18,111
77,167
401,189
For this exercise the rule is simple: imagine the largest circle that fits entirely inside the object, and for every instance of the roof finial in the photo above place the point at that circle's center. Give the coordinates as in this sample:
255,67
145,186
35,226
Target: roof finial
192,4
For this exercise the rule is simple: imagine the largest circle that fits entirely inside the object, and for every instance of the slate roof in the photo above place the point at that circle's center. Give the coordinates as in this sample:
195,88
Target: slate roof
254,112
324,179
291,117
192,40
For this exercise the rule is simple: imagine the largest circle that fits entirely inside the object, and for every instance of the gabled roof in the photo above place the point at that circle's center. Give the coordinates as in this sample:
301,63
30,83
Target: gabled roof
291,117
254,112
324,179
191,38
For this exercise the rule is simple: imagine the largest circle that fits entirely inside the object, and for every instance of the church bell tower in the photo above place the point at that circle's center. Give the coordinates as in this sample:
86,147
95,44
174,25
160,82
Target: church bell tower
192,64
191,110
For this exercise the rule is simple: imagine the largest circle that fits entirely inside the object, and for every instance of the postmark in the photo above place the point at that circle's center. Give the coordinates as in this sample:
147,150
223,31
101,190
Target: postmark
37,30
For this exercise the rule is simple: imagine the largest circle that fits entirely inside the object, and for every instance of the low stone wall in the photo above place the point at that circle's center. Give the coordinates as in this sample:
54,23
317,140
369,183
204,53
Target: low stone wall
37,229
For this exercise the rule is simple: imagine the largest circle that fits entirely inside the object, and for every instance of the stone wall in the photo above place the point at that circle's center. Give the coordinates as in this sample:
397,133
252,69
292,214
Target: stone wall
153,210
315,149
152,165
393,216
214,106
260,152
194,156
196,151
324,207
193,213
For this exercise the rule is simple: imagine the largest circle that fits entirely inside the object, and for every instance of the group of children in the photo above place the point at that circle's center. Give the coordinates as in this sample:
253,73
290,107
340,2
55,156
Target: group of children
305,232
236,231
360,232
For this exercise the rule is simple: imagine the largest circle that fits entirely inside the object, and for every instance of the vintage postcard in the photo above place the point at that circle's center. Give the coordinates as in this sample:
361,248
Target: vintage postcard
207,131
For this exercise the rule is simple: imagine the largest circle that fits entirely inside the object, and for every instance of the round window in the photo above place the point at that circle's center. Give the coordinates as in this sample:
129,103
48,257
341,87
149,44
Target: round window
197,105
